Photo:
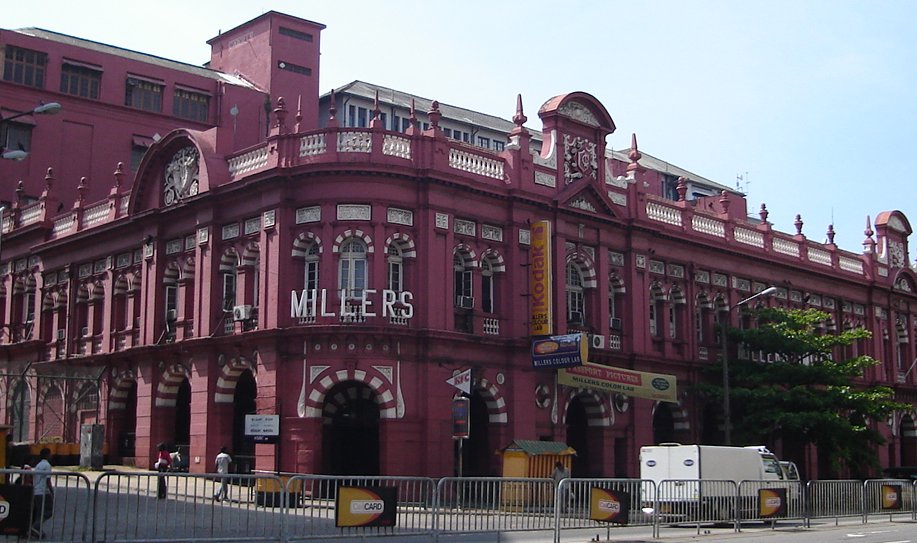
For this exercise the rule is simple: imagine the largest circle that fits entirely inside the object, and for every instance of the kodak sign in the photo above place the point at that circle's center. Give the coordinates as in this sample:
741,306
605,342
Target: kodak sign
540,280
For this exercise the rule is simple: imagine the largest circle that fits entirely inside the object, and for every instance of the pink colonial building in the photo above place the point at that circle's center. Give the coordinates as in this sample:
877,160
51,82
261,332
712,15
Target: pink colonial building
333,260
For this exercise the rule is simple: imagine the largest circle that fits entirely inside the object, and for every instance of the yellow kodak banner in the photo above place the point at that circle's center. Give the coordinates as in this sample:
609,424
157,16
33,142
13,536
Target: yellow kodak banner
540,281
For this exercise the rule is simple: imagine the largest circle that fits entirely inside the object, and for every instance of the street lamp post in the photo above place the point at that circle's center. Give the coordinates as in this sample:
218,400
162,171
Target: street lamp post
727,417
50,108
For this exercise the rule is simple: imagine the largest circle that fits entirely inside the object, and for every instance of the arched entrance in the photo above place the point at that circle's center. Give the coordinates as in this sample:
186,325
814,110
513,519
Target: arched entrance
51,419
663,424
908,452
182,431
127,421
243,448
19,411
476,452
577,423
350,436
711,426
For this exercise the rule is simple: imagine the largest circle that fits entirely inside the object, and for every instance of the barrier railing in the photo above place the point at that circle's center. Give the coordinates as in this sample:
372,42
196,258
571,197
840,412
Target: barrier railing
493,504
146,506
573,500
888,497
311,506
61,519
833,499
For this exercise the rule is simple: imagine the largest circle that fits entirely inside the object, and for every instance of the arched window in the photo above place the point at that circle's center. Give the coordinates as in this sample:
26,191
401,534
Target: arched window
461,273
576,300
487,287
395,268
310,268
352,276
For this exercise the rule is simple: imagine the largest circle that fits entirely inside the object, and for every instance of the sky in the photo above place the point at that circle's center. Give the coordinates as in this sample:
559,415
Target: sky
810,106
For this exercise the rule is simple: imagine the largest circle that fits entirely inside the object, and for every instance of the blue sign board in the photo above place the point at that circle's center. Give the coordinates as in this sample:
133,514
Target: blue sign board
560,351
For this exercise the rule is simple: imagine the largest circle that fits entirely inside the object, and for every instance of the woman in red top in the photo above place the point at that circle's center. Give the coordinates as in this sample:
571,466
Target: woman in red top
163,463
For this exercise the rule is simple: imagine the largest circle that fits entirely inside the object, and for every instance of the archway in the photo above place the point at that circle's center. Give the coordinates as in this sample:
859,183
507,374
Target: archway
181,435
663,424
127,434
350,437
578,436
19,411
243,448
51,419
711,426
476,452
908,452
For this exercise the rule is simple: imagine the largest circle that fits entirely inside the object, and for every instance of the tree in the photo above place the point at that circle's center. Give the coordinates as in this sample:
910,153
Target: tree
799,392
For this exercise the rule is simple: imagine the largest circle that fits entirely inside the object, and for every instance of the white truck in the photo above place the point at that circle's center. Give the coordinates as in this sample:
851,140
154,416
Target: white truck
700,481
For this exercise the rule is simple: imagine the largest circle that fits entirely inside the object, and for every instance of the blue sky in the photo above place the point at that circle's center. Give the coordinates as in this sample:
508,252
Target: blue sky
814,103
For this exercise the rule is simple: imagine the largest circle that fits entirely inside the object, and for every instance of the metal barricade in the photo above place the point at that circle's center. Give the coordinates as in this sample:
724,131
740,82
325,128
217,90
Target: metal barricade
491,504
771,500
573,505
67,516
888,497
146,506
834,499
313,506
695,502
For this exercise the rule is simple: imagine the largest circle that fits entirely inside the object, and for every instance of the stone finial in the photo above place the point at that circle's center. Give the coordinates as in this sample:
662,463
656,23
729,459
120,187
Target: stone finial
298,116
724,202
798,224
682,188
763,213
869,244
49,183
280,116
376,121
519,118
434,114
119,176
332,111
634,154
830,234
80,192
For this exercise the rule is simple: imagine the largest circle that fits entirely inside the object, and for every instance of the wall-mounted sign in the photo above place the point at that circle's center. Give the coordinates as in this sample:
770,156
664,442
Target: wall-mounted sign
560,351
15,509
365,506
315,303
540,280
262,428
639,384
461,381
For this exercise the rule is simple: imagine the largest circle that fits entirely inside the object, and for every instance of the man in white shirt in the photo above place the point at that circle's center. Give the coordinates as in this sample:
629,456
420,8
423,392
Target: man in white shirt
43,494
222,465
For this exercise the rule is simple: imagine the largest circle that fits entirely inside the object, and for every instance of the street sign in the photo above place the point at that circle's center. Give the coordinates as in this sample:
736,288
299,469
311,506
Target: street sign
262,428
460,418
461,381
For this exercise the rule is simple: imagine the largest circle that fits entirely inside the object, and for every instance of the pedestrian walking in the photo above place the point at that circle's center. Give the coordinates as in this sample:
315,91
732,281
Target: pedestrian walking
559,474
162,465
222,465
42,495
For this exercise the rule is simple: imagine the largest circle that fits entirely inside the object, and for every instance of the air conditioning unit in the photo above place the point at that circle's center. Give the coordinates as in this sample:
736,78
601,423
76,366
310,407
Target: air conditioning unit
172,315
84,331
575,317
242,313
596,341
61,334
464,302
615,323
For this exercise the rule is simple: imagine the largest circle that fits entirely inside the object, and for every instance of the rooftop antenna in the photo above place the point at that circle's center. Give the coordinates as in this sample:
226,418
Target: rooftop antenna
742,182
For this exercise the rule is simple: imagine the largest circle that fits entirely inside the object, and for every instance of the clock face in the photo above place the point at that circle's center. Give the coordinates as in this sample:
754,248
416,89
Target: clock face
181,176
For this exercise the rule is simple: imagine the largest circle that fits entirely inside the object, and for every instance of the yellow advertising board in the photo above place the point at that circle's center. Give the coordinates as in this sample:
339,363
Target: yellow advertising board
639,384
540,280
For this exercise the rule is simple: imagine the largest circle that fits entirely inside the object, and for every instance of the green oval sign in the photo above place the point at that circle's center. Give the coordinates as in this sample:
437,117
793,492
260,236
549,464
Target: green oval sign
660,384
